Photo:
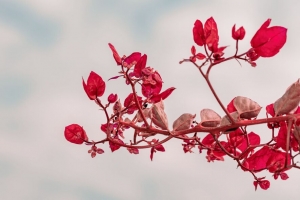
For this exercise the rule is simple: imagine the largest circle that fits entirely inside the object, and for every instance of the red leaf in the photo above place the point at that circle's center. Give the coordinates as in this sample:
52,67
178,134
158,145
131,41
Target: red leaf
255,183
281,137
200,56
133,150
267,41
152,153
115,54
230,106
94,87
162,96
112,98
159,147
132,59
198,33
211,33
208,140
75,134
284,176
258,161
140,65
115,77
115,144
276,161
238,34
270,109
193,50
129,102
265,184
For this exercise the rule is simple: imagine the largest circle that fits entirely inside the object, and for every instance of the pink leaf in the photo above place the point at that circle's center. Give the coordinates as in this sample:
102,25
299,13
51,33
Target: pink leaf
183,122
209,118
289,101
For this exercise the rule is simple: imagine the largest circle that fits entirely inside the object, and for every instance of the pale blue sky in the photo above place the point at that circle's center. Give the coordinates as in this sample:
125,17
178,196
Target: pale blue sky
47,46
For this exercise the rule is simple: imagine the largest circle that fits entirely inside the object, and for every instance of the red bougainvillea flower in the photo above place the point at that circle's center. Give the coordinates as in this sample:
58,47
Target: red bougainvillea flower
267,41
152,82
75,134
112,98
94,87
115,54
238,34
206,35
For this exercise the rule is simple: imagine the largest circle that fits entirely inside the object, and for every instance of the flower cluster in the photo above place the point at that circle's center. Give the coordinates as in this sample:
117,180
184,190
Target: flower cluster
142,111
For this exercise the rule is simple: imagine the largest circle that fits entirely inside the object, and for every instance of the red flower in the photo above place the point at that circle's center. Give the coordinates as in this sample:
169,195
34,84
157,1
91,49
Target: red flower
75,134
238,34
94,87
267,41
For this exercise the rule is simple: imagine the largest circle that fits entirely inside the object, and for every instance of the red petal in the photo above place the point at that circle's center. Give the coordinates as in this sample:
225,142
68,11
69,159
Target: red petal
94,87
230,106
140,65
238,34
211,32
114,145
193,50
270,109
112,98
115,54
198,33
162,96
284,176
159,147
268,41
258,161
208,140
132,59
200,56
265,184
75,134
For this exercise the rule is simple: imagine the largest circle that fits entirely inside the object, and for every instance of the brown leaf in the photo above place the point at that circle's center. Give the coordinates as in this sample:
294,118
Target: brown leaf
146,113
183,122
209,118
297,134
246,107
158,115
225,120
289,101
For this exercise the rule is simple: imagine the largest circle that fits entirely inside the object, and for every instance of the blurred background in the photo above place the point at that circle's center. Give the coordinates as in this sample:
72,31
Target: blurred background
47,46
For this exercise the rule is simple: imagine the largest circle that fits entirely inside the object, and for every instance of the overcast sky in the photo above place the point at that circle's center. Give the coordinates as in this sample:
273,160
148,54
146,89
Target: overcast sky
47,46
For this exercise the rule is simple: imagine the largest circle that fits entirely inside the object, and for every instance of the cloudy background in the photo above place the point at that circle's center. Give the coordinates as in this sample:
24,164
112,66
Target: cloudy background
47,46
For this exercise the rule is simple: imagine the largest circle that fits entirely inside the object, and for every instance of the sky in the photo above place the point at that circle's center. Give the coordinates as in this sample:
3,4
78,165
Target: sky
46,47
